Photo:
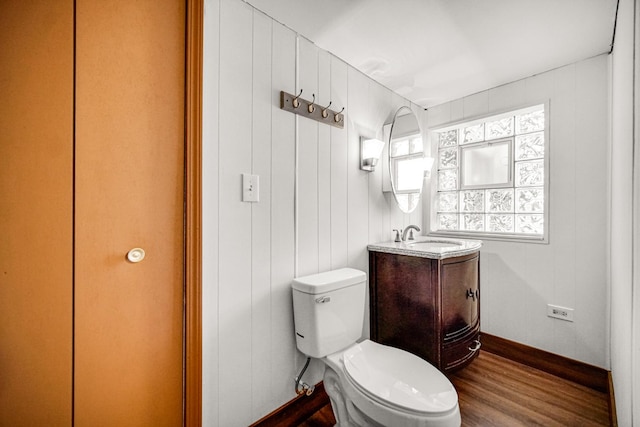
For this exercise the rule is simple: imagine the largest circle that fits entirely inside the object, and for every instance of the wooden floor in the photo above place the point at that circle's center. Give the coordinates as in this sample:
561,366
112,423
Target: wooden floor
494,391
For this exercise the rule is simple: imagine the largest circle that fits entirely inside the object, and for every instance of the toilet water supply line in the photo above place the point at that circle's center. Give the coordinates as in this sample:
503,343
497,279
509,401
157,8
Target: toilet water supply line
306,388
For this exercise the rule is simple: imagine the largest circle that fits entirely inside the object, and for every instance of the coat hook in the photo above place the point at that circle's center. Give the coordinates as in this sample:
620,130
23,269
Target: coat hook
295,101
311,108
324,110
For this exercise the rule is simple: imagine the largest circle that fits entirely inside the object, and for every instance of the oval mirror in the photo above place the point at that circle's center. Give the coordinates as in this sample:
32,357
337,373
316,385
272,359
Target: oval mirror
406,159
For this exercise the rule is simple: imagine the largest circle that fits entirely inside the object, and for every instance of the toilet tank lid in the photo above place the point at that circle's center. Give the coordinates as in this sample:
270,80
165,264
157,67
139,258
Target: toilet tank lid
328,281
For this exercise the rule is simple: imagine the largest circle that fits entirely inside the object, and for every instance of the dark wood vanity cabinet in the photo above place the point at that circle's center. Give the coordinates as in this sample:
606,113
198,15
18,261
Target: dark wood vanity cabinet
429,307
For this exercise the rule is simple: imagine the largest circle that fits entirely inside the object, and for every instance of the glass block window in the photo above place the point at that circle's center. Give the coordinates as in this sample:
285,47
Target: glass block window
491,176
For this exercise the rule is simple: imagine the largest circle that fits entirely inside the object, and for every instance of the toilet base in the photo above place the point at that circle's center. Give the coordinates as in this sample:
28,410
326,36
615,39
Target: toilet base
344,411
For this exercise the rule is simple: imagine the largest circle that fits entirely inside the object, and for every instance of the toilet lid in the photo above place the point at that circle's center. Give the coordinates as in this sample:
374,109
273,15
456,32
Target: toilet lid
399,378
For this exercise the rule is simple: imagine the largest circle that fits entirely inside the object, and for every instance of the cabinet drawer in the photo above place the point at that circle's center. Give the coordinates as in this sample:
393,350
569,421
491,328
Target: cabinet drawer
465,333
459,355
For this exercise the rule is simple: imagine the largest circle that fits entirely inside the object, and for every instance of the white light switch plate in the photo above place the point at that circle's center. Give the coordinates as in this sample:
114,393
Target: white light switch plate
250,188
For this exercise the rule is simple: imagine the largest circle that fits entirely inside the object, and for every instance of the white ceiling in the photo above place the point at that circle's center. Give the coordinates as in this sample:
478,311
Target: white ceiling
433,51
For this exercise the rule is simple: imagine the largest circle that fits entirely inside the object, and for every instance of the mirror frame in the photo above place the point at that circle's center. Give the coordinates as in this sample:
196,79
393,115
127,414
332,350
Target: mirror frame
400,112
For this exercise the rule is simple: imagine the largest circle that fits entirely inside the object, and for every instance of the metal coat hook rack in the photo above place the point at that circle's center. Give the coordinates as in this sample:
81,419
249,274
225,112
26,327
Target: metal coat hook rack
311,110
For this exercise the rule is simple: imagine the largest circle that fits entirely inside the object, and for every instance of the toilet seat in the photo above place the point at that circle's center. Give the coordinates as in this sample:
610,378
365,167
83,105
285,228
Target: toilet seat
398,379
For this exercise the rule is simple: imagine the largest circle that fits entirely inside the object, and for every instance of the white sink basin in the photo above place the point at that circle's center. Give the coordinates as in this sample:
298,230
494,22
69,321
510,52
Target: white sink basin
433,245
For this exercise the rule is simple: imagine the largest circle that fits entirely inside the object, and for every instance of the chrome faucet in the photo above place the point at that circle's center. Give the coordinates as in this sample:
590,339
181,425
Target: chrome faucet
409,230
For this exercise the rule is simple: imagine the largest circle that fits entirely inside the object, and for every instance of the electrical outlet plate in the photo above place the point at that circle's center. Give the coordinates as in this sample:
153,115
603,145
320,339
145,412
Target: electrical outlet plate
562,313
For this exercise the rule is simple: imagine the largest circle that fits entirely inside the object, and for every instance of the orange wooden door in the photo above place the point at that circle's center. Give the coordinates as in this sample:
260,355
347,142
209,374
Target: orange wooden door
129,192
36,205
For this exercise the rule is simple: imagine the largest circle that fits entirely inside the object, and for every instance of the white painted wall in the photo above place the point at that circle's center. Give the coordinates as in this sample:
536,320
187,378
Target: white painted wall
518,280
317,210
625,353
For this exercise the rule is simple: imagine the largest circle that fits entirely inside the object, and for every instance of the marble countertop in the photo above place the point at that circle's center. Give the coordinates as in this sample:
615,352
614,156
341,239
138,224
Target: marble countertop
429,247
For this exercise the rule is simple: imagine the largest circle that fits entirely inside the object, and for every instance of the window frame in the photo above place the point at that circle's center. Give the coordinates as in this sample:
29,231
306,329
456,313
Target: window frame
509,141
407,136
403,158
432,142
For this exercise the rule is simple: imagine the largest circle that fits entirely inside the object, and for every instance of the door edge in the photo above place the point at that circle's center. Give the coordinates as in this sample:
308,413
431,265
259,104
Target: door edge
193,214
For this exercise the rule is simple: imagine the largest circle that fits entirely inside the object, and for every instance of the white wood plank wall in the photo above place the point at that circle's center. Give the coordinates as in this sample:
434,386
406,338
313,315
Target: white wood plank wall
625,214
518,280
317,210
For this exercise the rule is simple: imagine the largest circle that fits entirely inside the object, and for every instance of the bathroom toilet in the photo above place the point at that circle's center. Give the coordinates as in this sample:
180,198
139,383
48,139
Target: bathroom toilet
369,384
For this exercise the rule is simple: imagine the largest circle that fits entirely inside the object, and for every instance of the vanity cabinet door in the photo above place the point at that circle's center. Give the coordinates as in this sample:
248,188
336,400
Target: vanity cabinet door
404,313
460,298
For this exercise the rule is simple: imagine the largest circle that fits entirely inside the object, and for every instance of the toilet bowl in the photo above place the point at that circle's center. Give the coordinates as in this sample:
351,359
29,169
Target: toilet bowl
369,384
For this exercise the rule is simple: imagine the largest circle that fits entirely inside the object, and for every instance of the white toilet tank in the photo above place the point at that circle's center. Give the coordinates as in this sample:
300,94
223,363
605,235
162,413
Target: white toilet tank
328,310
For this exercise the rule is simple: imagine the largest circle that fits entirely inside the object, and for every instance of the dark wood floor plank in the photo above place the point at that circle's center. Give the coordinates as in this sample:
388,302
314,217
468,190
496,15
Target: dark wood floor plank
494,391
578,372
504,401
529,396
531,393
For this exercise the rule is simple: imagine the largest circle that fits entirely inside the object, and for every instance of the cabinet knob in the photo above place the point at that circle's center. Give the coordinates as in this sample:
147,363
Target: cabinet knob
135,255
471,294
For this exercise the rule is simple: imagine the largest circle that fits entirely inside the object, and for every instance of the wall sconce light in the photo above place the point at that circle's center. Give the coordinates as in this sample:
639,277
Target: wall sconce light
370,151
